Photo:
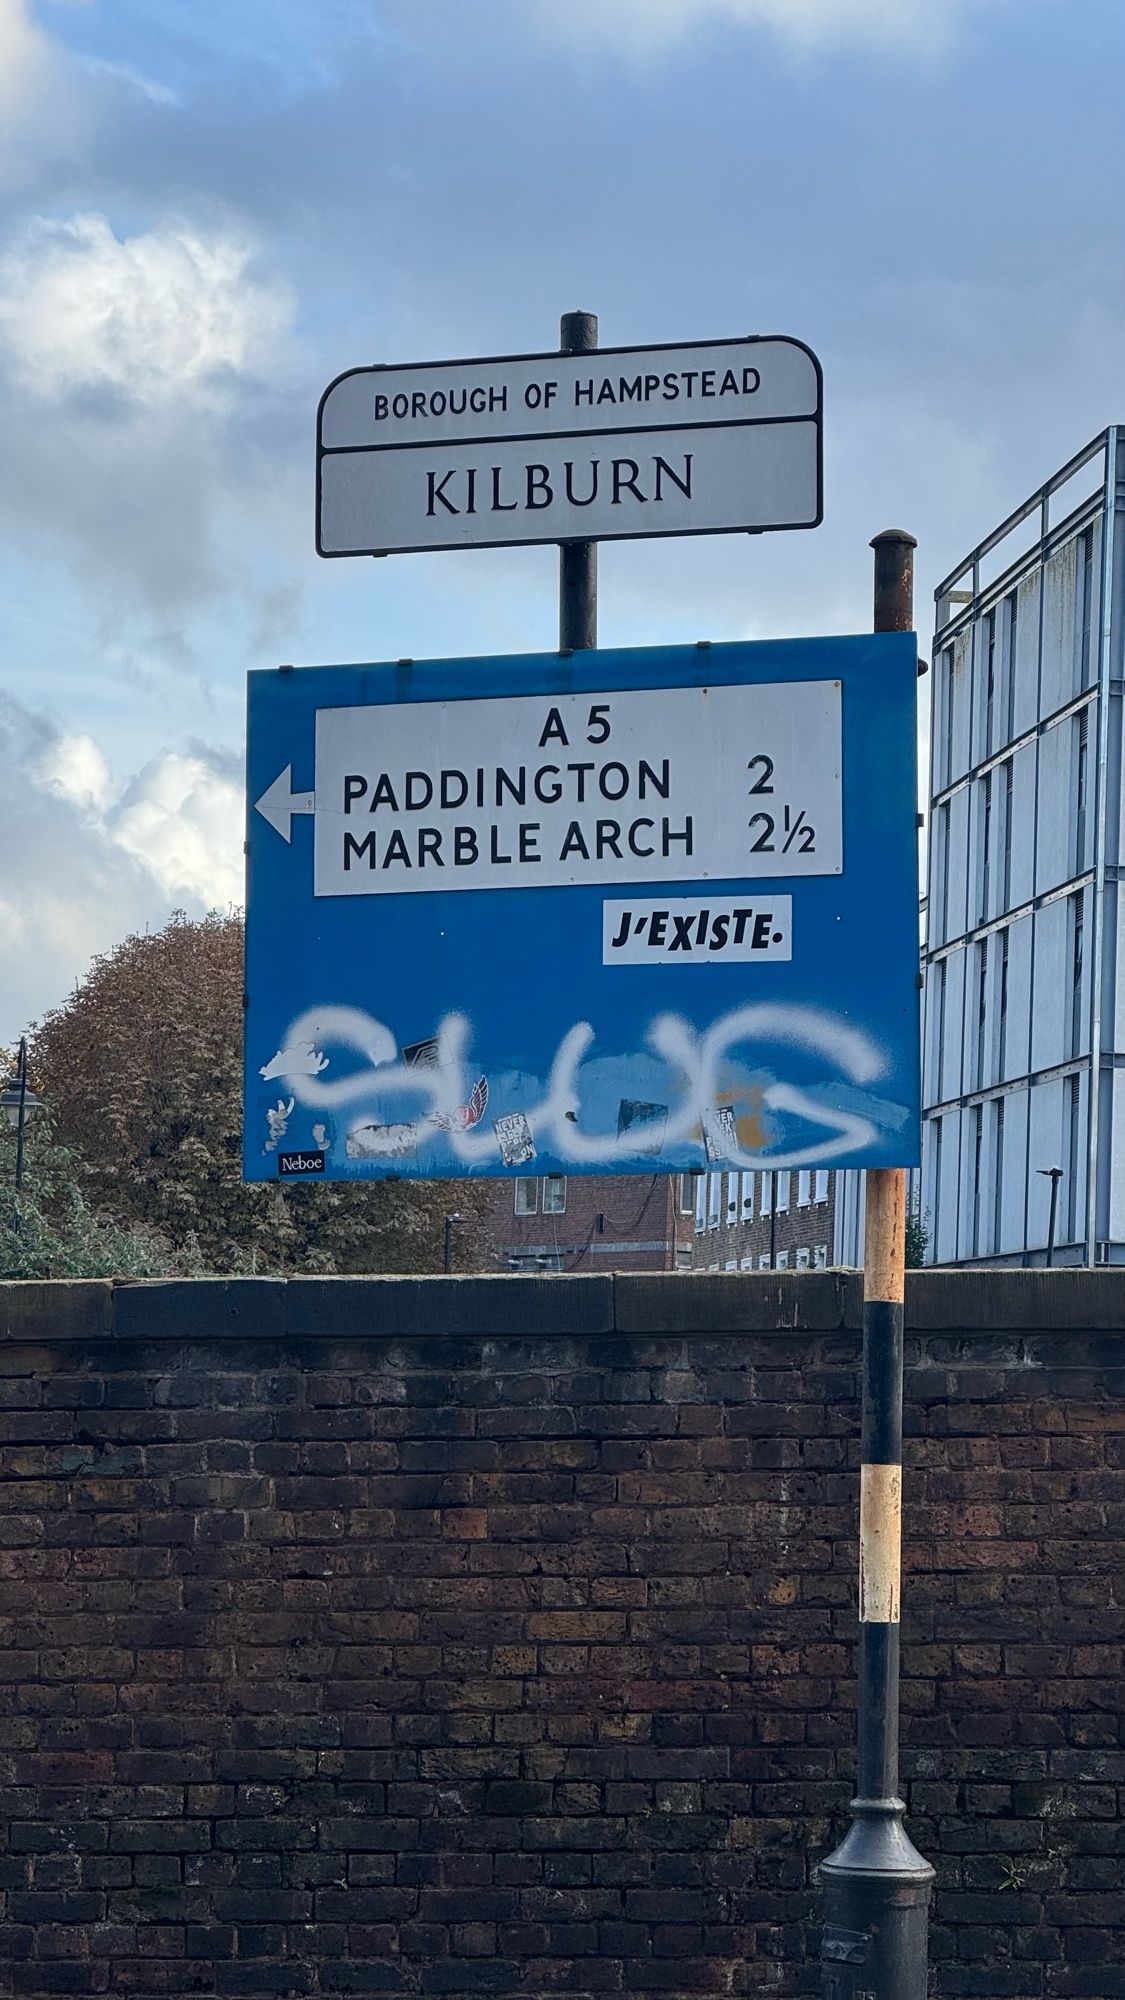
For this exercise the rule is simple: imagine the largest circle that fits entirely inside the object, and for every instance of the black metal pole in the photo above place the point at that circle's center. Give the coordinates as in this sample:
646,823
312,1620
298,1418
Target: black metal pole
877,1885
578,561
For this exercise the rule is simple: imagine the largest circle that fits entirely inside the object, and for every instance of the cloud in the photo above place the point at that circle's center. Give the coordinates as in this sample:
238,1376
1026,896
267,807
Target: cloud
84,861
23,55
646,26
171,313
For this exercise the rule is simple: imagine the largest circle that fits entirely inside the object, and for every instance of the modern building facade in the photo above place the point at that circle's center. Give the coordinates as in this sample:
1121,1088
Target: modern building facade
1024,996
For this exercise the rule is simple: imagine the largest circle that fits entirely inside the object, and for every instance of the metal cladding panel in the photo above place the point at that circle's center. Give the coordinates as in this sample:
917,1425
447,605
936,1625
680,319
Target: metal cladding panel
1054,837
949,1076
1060,581
1116,1148
944,1192
1023,827
961,691
1017,1051
1027,655
1013,1179
1046,1148
1051,971
957,914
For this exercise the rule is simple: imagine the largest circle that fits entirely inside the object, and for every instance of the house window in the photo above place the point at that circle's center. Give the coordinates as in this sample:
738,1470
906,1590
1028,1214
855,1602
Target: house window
765,1206
747,1264
714,1196
731,1264
783,1260
701,1201
764,1260
804,1189
527,1196
554,1194
820,1186
747,1197
782,1193
820,1257
688,1185
802,1260
732,1184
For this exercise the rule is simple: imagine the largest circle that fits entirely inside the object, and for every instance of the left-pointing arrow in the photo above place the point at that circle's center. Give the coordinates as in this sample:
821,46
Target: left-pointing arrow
280,803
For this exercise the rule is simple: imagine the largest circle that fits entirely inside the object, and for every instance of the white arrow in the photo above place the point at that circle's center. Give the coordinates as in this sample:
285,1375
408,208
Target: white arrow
280,803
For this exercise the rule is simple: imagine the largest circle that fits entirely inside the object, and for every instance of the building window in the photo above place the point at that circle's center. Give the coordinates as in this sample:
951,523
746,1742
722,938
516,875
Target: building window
1083,727
783,1260
989,683
820,1185
1072,1117
701,1201
1013,605
714,1197
731,1264
554,1194
765,1206
782,1193
804,1189
764,1260
997,1175
1077,940
747,1264
689,1184
820,1257
732,1185
802,1260
747,1197
939,1039
527,1196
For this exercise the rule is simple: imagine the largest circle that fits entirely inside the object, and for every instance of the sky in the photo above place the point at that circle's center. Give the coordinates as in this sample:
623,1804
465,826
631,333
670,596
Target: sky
208,211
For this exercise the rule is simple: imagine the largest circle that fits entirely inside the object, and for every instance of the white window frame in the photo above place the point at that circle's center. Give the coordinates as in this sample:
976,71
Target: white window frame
804,1187
803,1259
783,1260
820,1257
783,1190
526,1198
820,1184
556,1183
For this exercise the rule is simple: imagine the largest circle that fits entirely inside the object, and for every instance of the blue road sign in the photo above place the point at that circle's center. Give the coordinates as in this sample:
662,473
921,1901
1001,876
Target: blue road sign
617,912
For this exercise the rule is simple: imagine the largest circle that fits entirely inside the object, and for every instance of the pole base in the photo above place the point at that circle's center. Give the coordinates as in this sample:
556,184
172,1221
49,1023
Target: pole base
876,1909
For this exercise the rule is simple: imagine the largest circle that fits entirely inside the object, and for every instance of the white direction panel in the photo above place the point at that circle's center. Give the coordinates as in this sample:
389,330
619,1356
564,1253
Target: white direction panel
620,442
642,785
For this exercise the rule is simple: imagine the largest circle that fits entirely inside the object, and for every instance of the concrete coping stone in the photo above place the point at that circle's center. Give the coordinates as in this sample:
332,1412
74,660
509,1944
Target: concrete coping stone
705,1304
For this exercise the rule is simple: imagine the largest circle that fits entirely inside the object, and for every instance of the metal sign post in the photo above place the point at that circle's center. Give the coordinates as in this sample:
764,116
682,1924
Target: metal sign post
877,1884
578,561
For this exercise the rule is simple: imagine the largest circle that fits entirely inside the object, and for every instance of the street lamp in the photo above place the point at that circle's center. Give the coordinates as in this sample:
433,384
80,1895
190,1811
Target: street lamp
449,1222
16,1100
1054,1175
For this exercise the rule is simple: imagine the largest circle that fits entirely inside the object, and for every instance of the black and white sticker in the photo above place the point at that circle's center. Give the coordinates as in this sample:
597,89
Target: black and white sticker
697,930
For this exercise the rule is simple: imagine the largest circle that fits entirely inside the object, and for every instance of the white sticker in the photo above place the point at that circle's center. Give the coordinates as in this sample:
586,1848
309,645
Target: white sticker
697,930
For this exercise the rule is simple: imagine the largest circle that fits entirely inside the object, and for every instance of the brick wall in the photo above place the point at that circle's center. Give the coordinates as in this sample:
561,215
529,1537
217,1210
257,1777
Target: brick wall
494,1636
614,1222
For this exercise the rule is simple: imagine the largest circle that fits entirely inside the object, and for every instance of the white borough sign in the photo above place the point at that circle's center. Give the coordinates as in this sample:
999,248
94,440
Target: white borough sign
605,445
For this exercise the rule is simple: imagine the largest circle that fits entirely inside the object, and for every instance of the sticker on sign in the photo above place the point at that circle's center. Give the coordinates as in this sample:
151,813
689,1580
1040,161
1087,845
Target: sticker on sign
697,930
636,785
702,438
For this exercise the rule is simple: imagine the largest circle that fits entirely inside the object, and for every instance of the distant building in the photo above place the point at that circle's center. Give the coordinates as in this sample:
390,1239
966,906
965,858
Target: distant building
1024,1000
755,1221
582,1223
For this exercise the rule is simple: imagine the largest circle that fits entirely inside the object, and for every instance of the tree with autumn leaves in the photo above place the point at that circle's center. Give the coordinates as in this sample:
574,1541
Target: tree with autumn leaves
141,1074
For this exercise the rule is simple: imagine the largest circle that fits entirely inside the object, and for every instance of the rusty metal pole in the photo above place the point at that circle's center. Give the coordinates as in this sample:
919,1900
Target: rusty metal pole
877,1885
578,561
